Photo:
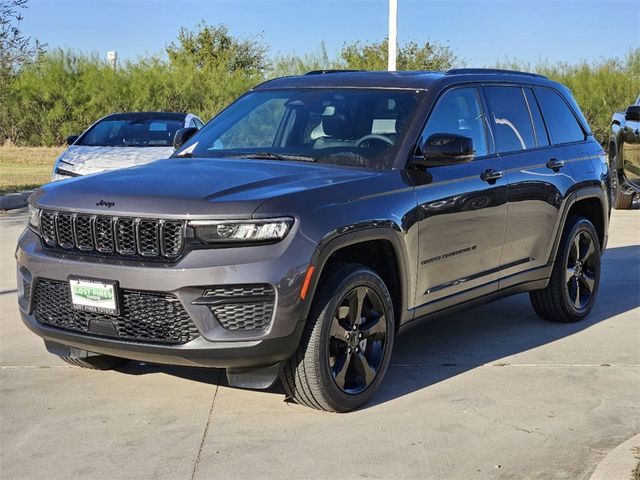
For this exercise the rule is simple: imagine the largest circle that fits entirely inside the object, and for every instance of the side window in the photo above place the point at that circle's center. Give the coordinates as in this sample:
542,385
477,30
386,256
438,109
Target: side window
192,123
542,139
458,111
561,122
198,123
512,123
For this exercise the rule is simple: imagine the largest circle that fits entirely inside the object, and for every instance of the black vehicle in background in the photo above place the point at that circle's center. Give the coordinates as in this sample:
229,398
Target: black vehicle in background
624,156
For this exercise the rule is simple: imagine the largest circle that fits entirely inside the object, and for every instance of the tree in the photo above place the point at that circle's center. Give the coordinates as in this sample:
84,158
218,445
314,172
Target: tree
16,51
213,47
411,56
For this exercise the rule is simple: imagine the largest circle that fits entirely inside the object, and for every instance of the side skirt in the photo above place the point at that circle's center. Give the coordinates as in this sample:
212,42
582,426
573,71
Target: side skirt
521,282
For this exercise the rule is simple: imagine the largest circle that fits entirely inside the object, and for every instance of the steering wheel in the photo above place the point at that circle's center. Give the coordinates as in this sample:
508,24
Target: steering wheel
372,136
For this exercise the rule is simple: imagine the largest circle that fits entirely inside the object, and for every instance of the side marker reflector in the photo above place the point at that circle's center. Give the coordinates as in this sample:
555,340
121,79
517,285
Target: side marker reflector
307,281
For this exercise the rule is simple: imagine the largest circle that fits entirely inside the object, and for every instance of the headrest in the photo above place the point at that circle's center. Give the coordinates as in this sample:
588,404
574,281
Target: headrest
335,126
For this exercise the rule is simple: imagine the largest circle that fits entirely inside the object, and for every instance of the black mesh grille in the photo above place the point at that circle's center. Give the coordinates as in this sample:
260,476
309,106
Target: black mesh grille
252,310
64,227
172,238
126,236
146,317
111,235
26,288
104,235
48,228
244,316
84,233
148,239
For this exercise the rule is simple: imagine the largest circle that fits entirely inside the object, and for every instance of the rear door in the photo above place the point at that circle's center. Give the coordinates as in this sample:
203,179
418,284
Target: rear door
462,216
538,177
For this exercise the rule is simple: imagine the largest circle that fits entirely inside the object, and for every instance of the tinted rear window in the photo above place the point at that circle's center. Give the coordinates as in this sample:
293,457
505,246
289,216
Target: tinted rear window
511,119
561,123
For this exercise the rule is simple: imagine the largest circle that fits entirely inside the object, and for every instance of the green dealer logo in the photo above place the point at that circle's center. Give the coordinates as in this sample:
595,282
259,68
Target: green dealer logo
93,294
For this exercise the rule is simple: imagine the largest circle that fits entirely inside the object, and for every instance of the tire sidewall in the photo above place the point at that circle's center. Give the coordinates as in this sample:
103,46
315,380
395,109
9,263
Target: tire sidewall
361,277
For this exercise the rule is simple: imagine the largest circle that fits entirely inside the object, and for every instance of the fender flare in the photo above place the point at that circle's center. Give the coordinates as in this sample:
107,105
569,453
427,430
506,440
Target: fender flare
390,232
576,196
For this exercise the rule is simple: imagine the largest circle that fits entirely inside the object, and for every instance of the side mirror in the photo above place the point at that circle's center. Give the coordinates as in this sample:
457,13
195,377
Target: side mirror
71,139
632,112
445,149
183,135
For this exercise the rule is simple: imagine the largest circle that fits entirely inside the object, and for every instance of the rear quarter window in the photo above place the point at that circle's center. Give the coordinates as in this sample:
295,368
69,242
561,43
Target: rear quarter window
562,124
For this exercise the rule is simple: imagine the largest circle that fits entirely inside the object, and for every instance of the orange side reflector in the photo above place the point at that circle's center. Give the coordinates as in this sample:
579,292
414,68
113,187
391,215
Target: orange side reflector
307,281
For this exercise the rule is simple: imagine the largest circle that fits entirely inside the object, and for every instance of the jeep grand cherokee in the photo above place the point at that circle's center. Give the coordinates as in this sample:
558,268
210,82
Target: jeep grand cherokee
314,219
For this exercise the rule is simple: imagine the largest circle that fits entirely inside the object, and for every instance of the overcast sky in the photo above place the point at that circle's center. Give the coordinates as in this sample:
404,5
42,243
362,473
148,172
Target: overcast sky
480,32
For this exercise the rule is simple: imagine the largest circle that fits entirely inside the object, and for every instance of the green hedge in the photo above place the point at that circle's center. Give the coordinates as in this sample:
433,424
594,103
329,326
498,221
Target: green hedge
65,91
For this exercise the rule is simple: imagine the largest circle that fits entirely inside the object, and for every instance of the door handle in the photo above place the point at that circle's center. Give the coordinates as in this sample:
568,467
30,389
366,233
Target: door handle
490,175
555,164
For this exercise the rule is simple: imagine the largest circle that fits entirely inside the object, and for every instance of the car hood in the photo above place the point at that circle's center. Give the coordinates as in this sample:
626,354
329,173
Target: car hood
192,188
83,159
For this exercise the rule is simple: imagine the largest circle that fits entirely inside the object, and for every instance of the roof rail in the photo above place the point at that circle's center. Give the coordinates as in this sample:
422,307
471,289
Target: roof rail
336,70
463,71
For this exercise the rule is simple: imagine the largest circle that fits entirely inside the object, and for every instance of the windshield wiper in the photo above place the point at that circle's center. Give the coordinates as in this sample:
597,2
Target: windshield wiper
274,156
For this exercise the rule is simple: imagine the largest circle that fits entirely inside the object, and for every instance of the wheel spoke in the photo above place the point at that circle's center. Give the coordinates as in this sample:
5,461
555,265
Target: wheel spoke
362,366
576,301
375,329
340,372
356,302
590,251
569,274
338,332
589,281
576,247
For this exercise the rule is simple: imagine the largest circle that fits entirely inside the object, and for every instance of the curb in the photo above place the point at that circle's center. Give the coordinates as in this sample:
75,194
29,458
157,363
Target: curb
619,462
12,201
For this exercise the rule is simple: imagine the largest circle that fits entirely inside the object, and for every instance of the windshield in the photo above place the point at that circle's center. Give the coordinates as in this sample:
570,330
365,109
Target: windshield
341,126
132,132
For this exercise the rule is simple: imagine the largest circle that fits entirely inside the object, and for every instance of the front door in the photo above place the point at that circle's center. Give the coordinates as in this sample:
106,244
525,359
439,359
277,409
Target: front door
462,209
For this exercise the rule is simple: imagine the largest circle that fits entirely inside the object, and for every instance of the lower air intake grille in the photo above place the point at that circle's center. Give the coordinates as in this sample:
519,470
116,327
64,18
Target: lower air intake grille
243,307
146,317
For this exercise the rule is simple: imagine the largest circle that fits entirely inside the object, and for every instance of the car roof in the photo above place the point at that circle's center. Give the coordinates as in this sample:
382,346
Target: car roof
414,80
146,115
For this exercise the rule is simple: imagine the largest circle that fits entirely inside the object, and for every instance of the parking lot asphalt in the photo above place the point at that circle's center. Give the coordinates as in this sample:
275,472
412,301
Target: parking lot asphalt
490,393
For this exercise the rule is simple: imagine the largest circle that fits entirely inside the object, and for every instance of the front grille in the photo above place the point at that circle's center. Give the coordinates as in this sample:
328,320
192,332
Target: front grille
102,234
146,317
243,307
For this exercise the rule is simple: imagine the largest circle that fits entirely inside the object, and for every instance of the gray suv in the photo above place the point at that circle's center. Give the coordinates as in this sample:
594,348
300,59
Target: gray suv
311,221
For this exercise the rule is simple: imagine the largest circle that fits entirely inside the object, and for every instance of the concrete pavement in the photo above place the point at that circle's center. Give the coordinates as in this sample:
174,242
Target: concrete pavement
491,393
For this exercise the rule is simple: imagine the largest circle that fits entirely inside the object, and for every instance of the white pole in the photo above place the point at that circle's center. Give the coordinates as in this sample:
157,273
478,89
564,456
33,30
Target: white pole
393,34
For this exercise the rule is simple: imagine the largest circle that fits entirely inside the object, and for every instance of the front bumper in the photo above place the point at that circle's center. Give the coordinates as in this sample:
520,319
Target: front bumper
199,270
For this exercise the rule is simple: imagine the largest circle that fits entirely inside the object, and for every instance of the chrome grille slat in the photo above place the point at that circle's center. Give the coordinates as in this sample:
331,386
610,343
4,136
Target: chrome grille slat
111,235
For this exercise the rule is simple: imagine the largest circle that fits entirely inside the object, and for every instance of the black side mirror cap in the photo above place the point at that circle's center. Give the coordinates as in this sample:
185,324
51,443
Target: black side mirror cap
444,149
632,112
182,136
71,139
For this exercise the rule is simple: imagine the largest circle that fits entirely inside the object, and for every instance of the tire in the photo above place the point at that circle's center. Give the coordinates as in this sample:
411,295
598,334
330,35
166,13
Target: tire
573,286
328,372
619,199
96,362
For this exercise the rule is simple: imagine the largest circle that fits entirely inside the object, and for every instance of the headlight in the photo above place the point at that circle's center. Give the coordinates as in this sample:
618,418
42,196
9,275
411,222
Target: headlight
224,231
34,217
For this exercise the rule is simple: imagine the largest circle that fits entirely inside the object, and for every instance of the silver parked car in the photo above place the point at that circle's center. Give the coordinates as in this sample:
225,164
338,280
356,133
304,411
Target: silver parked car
122,140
